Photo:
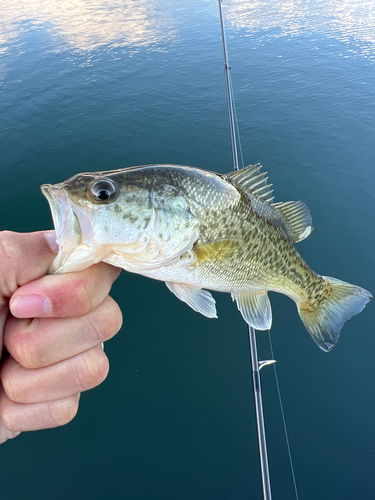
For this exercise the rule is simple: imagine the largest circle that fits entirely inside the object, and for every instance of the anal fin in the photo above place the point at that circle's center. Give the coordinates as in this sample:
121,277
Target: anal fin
255,308
198,299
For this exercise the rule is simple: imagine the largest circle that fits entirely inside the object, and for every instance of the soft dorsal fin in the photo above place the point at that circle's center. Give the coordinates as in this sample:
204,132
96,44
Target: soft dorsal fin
295,214
252,181
297,218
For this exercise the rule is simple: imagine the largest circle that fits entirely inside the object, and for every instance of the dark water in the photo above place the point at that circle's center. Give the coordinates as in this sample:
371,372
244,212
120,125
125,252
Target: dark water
93,85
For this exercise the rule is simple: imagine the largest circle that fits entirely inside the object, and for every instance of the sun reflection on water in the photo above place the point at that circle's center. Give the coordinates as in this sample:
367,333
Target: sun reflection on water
351,21
89,25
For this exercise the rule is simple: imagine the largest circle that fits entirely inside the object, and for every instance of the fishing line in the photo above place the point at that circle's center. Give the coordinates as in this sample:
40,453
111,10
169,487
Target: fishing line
229,91
283,418
256,365
236,124
238,136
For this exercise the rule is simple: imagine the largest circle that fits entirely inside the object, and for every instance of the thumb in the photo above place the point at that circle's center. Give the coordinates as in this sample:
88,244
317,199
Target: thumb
24,257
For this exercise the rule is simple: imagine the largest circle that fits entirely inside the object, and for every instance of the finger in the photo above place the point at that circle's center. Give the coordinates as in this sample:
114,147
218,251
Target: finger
58,381
64,295
44,341
5,433
23,257
18,417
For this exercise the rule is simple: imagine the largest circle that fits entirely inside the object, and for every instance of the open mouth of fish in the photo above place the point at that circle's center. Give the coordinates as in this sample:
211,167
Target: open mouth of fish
69,231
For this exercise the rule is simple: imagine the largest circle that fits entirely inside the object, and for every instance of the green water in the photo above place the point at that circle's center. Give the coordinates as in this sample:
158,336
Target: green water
92,85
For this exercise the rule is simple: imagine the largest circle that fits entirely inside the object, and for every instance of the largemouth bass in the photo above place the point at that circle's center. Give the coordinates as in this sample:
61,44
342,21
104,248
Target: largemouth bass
197,230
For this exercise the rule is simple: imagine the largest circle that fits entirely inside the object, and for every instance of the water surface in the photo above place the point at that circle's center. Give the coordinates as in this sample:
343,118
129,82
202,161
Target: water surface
93,85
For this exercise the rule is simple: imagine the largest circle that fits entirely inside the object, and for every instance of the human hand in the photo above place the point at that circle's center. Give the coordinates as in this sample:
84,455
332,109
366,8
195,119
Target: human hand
54,334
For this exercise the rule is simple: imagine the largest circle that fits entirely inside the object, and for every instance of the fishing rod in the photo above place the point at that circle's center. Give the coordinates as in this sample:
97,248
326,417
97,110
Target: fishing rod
255,364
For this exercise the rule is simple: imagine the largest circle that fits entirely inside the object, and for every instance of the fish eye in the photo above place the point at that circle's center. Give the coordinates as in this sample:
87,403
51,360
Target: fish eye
103,191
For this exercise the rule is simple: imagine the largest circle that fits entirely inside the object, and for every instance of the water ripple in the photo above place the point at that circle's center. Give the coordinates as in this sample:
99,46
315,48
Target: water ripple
89,25
351,21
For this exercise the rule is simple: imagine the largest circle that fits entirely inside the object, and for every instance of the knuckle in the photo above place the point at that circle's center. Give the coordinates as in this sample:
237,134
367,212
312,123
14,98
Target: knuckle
106,320
114,272
80,296
13,390
80,293
7,416
9,246
10,254
10,381
93,369
63,411
24,350
115,317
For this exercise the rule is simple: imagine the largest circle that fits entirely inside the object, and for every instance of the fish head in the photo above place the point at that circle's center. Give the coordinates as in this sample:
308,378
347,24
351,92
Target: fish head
128,218
96,216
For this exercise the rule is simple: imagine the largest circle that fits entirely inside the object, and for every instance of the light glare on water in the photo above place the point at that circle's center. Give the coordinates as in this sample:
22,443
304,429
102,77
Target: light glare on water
87,26
92,85
350,21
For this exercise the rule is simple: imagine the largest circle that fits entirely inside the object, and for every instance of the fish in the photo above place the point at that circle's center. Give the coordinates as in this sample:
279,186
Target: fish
197,230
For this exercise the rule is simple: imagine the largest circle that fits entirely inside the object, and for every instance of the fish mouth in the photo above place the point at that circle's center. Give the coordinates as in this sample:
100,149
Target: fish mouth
67,225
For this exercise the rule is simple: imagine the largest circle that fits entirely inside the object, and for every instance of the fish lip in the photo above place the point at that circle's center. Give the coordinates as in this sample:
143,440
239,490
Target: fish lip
66,222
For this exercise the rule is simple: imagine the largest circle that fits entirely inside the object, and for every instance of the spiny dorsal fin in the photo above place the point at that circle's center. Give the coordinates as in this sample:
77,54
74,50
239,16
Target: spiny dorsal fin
297,217
252,181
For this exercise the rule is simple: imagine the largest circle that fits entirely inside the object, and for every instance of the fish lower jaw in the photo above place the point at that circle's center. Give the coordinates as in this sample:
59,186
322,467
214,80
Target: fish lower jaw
77,259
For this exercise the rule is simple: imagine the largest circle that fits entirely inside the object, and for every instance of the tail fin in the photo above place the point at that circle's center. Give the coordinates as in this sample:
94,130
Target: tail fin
325,322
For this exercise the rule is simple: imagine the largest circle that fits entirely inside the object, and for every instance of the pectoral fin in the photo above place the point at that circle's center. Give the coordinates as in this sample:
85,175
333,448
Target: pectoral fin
198,299
255,308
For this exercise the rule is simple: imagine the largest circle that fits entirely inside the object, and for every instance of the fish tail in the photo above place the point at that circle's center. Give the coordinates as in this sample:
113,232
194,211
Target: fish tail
325,316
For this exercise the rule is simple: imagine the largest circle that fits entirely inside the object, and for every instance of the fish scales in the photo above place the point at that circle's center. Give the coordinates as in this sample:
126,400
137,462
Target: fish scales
254,253
199,231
